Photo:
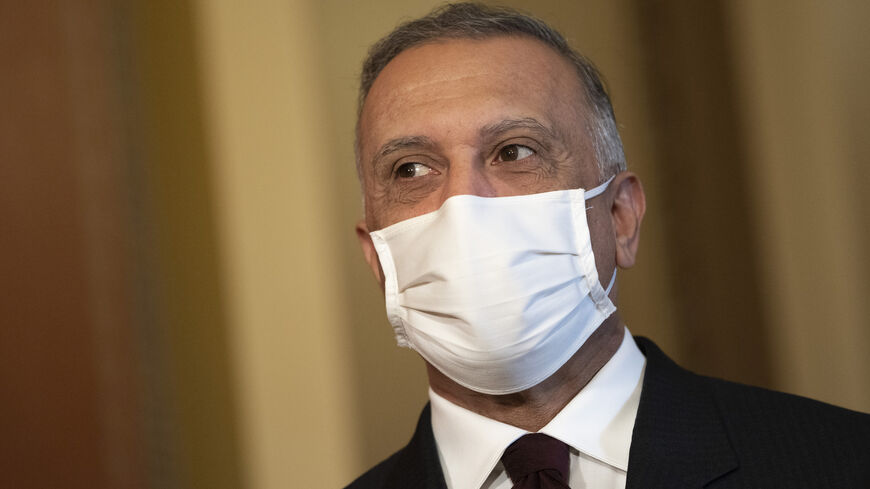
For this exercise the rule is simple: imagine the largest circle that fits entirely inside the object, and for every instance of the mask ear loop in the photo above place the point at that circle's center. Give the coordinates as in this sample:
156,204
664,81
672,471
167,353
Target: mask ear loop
610,285
610,307
595,192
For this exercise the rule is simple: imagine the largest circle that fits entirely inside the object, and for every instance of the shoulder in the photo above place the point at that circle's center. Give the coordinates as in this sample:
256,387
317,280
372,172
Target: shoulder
755,404
768,424
416,465
770,436
376,476
744,404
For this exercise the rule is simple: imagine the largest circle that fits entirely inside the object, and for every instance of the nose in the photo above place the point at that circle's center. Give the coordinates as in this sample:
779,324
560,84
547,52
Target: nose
468,178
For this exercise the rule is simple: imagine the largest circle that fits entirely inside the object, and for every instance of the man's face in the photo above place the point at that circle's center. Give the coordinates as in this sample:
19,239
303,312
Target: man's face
495,117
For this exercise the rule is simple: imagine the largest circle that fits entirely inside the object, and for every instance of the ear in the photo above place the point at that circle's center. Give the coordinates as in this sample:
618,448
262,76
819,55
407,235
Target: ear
369,252
629,205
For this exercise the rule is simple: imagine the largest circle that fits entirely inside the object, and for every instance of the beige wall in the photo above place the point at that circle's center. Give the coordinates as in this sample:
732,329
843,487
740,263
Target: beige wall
274,184
806,105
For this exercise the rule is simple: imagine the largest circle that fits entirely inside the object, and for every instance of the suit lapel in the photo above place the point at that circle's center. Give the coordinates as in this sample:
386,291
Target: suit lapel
679,439
417,465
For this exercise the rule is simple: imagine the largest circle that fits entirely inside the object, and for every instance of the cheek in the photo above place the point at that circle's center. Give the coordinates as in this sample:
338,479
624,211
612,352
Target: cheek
601,233
385,207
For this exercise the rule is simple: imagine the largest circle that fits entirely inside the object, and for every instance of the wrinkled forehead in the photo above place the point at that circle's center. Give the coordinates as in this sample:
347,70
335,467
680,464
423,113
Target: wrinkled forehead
521,73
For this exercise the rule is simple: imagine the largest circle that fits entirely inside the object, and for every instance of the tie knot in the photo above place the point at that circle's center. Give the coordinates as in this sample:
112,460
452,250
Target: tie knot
534,453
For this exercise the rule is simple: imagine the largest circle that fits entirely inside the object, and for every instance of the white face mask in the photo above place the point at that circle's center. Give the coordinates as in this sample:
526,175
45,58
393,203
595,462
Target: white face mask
496,293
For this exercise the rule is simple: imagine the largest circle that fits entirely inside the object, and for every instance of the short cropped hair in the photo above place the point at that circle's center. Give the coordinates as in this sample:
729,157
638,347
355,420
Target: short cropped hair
469,20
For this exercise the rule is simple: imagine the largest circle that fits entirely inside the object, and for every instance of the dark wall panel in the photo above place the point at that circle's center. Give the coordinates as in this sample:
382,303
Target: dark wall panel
48,377
708,221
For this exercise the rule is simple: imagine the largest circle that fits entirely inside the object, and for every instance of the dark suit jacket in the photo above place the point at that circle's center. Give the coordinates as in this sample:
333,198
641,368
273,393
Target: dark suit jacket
694,431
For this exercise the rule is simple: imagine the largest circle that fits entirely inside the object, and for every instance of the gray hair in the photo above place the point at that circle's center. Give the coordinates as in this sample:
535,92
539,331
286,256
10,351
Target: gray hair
476,21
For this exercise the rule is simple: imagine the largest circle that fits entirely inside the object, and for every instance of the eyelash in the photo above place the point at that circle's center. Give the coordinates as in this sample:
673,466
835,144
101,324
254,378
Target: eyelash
532,150
396,172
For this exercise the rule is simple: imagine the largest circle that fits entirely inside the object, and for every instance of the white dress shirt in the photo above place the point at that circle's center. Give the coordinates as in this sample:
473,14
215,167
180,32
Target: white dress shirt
596,425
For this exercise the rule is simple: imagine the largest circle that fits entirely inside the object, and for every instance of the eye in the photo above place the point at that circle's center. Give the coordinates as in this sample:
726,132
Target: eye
412,170
514,152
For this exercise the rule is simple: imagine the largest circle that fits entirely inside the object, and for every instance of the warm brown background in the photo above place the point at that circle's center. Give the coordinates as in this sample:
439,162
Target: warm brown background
181,297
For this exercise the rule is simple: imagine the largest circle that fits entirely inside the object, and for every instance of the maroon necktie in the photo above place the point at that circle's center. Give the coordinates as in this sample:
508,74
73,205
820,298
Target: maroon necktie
537,461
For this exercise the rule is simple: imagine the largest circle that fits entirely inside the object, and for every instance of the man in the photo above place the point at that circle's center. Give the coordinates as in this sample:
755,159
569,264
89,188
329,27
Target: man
497,210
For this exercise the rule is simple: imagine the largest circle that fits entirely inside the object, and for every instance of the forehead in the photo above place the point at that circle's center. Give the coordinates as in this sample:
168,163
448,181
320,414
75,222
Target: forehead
465,83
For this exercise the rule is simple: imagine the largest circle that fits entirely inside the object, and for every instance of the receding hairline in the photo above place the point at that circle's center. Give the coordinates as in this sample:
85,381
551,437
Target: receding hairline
570,64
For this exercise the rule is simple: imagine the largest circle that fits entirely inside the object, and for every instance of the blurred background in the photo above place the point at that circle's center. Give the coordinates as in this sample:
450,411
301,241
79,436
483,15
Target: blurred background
182,300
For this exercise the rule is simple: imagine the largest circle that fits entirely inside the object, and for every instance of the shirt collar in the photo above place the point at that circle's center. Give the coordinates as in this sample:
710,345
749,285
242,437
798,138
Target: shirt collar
598,422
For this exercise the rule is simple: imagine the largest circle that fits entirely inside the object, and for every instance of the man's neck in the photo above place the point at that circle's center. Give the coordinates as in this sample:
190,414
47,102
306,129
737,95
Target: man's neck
533,408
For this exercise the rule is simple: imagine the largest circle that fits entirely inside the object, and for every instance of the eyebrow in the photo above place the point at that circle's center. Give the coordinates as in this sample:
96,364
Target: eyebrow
492,130
399,144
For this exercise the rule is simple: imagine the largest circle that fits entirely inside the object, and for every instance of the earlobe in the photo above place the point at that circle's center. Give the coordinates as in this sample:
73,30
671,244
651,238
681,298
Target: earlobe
369,252
629,206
